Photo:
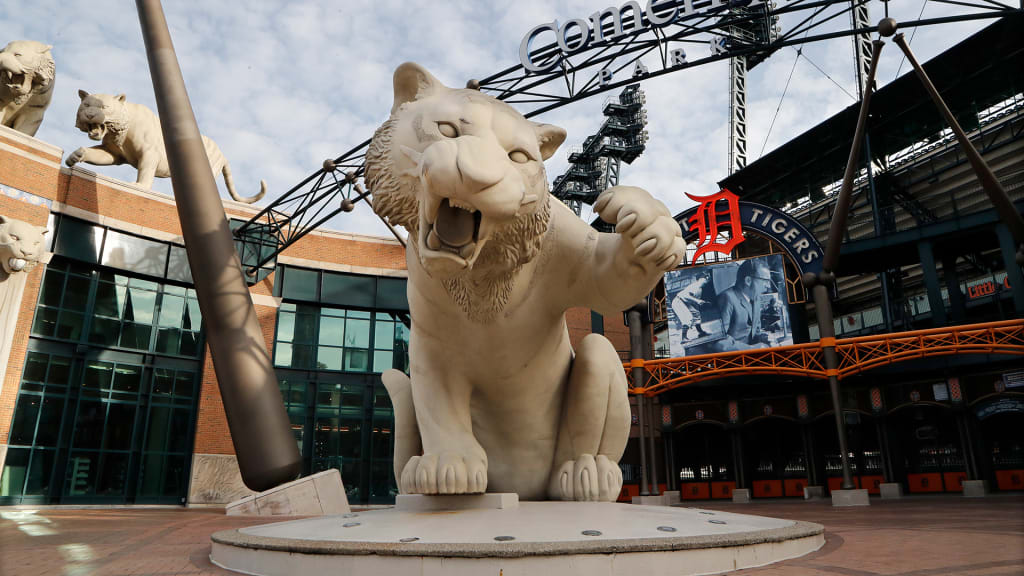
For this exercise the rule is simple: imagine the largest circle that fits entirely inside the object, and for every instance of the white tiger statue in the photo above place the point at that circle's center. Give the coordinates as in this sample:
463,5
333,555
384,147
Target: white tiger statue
130,133
27,72
497,399
21,244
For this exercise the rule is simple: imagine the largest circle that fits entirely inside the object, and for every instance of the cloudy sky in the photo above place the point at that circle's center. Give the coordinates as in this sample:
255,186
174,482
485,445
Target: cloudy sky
281,86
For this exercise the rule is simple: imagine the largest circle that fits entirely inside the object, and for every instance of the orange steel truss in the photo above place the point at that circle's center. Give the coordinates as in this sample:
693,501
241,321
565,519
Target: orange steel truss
855,355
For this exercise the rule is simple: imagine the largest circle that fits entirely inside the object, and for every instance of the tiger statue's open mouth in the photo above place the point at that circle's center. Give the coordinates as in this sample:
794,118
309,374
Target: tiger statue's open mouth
17,82
453,230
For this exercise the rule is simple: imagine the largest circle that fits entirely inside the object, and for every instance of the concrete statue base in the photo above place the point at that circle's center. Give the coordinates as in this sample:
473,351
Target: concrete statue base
650,500
741,496
891,490
566,538
814,492
316,495
975,489
855,497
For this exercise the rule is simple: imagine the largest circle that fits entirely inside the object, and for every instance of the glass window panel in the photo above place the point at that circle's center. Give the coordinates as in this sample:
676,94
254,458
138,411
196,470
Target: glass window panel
332,331
163,381
39,474
110,299
302,356
328,396
81,474
287,307
348,289
184,384
120,426
333,312
193,316
358,314
49,421
156,435
357,360
326,437
328,358
113,475
171,310
127,378
70,326
35,367
305,329
76,293
384,335
45,323
300,284
352,397
53,287
283,354
285,326
167,340
391,294
60,371
382,482
179,431
381,401
98,375
140,306
135,336
152,472
145,284
177,266
174,474
134,253
25,415
89,424
105,331
175,290
190,344
380,441
383,360
12,479
351,431
357,333
79,240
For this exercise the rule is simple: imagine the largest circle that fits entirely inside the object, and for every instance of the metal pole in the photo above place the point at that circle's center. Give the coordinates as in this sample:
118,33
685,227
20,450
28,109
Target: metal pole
654,452
260,430
820,285
996,194
636,339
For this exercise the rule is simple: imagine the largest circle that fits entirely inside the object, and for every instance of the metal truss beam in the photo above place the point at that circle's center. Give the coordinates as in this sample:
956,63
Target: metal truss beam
855,355
331,190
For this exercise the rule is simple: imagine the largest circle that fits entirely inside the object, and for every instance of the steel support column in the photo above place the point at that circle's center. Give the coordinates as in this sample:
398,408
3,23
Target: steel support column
737,113
636,339
260,430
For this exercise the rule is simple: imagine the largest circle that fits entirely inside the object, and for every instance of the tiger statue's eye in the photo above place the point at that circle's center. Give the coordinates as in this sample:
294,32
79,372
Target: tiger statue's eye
519,157
447,129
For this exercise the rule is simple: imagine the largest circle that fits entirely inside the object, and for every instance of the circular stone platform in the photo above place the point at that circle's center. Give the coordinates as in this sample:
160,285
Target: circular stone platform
534,539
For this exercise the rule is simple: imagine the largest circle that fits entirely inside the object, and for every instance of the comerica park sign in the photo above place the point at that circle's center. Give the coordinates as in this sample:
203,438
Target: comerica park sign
606,26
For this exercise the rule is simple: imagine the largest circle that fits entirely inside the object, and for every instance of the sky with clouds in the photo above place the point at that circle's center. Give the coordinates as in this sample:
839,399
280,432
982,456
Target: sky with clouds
280,86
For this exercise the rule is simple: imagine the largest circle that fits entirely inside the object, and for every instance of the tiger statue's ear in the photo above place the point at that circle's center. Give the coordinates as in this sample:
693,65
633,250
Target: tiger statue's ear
549,138
413,82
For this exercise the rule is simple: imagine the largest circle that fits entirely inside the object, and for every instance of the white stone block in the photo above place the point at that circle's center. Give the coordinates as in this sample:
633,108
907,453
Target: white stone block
891,490
741,496
316,495
814,492
428,503
974,488
855,497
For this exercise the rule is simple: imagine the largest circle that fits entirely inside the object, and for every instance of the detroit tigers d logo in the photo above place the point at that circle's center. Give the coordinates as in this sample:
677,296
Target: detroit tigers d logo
717,213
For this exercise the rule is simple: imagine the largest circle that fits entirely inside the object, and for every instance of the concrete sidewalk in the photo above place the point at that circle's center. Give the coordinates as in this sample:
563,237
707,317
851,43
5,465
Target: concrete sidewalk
924,536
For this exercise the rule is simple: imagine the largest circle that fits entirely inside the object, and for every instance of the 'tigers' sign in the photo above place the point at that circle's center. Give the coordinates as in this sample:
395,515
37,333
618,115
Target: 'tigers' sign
578,33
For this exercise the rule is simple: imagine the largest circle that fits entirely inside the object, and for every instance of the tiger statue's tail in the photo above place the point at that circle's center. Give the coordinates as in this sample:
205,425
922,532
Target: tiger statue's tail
218,163
230,183
407,431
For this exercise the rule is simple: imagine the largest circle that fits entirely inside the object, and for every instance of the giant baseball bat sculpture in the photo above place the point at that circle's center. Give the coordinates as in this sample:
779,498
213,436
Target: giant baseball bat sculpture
260,431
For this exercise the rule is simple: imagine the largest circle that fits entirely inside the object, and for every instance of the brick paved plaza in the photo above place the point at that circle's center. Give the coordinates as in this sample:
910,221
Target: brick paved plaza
924,536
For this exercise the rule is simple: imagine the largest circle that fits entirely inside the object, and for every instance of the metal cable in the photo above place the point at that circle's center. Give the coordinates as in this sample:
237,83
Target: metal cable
799,52
914,31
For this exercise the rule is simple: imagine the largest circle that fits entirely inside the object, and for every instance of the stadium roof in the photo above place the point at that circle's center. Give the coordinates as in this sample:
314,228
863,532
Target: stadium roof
983,70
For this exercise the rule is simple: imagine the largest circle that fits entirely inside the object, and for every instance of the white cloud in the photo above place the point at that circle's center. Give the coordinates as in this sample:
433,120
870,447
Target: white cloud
283,85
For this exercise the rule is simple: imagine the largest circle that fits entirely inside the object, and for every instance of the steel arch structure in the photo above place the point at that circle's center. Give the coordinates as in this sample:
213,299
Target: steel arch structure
571,77
855,355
